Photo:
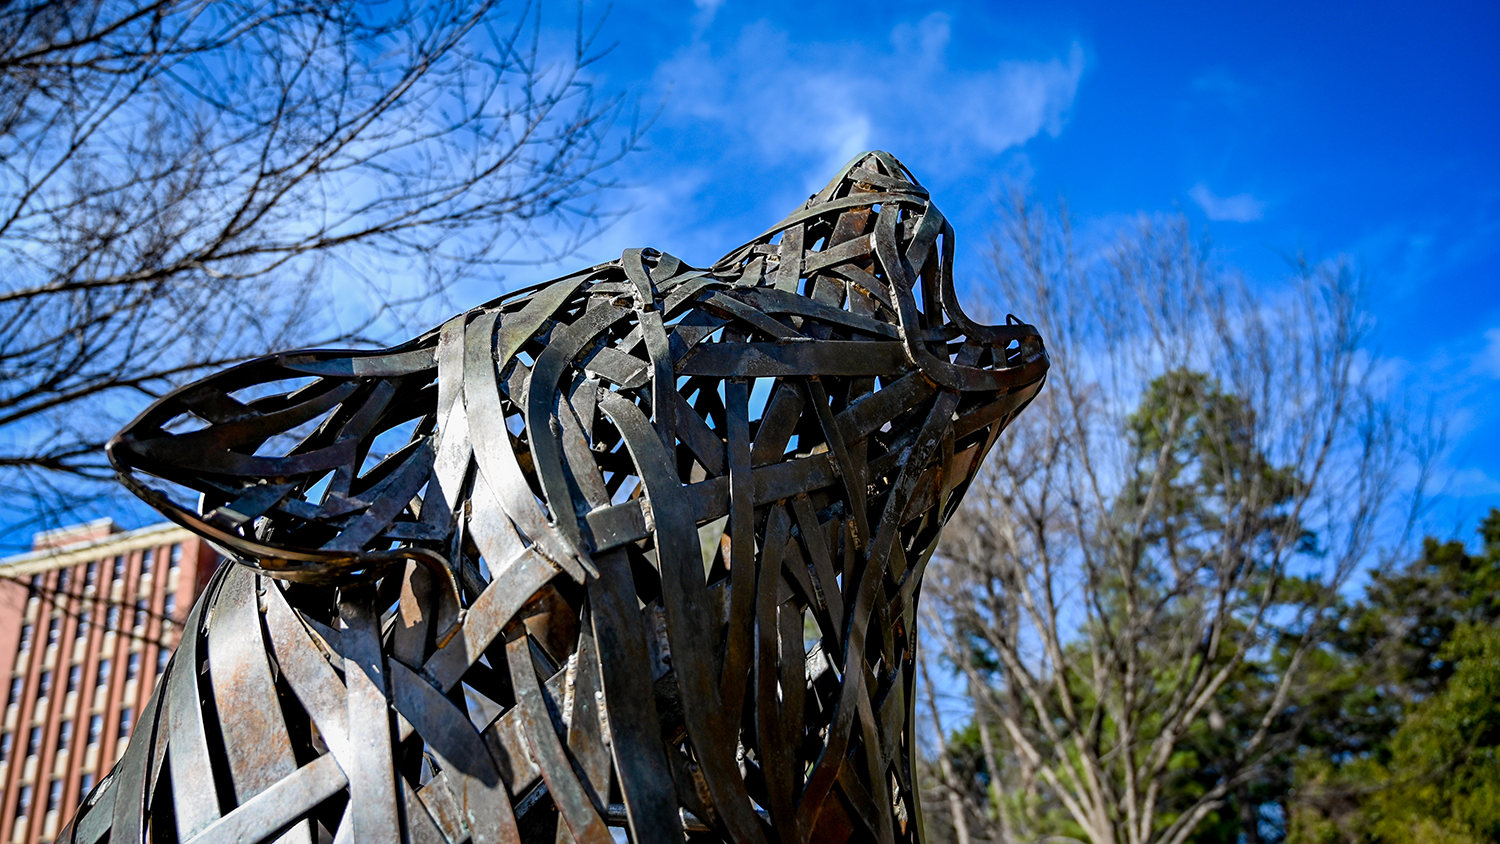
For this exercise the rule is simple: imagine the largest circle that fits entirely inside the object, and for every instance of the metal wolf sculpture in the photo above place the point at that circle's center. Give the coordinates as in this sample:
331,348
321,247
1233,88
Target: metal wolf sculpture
636,548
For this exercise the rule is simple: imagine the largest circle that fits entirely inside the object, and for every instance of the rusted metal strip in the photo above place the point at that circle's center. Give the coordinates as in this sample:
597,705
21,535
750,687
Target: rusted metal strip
372,814
460,752
278,807
257,748
572,803
541,410
741,559
195,802
312,679
781,360
776,752
497,459
689,616
624,666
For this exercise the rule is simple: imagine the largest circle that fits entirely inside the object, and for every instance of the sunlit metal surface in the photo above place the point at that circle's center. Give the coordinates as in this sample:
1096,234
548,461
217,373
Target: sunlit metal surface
639,548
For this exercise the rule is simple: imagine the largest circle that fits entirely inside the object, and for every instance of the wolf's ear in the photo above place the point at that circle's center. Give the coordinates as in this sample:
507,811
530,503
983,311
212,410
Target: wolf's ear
831,239
871,185
303,462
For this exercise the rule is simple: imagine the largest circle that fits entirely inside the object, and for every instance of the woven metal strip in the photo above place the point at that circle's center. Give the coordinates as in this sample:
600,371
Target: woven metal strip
636,549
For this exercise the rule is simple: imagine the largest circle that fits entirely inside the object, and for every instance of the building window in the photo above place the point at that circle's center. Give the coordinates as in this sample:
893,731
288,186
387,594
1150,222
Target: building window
90,575
85,619
54,630
44,687
125,722
85,785
34,741
26,636
174,556
75,676
64,735
102,677
140,614
34,585
112,618
96,728
6,740
23,802
119,573
163,656
147,557
54,795
133,666
16,685
170,605
62,579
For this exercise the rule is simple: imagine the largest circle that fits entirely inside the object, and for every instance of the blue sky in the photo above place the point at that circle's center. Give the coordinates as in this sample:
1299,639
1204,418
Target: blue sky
1368,130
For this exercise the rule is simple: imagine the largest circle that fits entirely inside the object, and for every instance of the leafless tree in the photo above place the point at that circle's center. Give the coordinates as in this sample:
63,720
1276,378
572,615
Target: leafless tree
1135,589
184,183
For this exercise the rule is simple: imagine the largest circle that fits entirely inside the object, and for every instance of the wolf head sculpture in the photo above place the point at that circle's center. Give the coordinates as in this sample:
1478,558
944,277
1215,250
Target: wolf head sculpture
636,548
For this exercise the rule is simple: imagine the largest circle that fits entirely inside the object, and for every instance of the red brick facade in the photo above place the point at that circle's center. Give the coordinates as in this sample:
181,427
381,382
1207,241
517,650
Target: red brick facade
87,622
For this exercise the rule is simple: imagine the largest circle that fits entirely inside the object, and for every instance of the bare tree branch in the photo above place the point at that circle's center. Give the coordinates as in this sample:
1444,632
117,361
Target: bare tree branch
184,184
1152,554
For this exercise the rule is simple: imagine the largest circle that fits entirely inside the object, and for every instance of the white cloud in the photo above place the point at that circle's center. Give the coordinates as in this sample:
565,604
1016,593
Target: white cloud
1489,359
813,105
1240,208
755,120
1471,482
927,38
706,11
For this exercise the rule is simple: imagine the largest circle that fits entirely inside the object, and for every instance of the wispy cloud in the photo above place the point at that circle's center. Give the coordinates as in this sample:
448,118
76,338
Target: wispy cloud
1489,359
755,119
1226,89
812,105
1471,481
706,11
1240,208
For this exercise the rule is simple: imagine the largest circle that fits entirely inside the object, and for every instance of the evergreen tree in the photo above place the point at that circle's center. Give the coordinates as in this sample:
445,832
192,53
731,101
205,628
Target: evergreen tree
1397,680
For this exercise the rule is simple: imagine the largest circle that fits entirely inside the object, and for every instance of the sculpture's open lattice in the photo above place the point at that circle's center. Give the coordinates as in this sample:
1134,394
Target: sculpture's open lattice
637,548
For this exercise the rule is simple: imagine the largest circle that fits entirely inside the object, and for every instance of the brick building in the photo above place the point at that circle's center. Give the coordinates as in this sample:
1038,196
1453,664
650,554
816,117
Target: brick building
88,619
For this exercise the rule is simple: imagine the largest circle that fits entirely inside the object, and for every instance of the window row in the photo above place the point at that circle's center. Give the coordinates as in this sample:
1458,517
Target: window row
75,675
54,795
65,735
116,567
142,614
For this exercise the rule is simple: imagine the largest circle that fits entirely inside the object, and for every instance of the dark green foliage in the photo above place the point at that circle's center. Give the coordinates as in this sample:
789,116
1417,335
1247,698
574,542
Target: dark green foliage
1200,441
1140,589
1389,755
1206,512
1391,730
1443,783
